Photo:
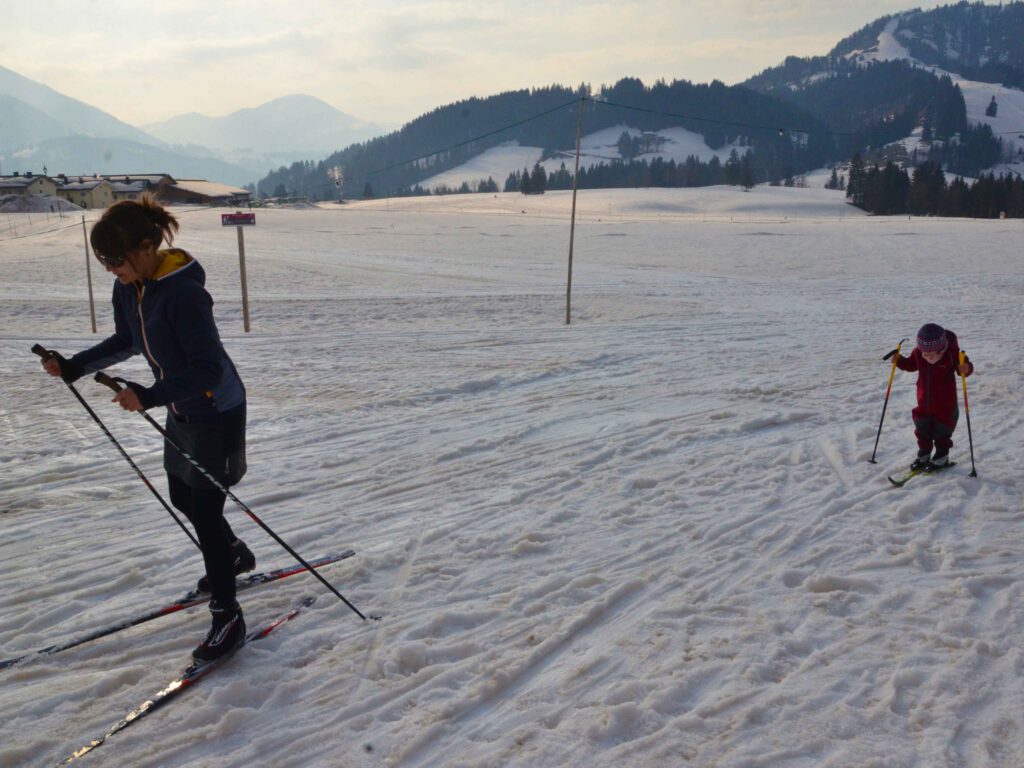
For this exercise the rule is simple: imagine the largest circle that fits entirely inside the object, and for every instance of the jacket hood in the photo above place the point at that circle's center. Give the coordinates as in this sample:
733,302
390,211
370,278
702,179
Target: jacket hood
176,261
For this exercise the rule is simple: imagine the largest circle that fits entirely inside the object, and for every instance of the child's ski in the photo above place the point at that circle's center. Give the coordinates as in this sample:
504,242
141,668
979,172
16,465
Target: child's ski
187,601
899,482
193,674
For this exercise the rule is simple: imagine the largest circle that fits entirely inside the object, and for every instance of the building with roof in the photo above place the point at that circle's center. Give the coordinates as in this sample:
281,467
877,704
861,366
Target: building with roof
133,190
153,183
27,184
102,191
86,192
200,192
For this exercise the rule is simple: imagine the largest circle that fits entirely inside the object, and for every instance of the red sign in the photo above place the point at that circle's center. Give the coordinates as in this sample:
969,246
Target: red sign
237,219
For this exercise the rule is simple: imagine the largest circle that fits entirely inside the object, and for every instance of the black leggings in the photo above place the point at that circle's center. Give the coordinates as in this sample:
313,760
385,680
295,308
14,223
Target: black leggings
205,510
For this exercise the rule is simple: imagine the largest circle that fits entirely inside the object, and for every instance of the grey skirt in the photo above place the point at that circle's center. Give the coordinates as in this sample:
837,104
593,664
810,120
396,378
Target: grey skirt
217,446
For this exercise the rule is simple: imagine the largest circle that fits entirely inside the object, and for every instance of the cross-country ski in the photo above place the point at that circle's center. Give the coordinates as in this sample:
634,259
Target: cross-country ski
188,600
899,482
192,674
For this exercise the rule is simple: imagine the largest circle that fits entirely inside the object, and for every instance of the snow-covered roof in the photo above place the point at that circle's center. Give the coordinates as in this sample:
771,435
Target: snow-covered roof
82,185
152,178
134,186
19,182
208,188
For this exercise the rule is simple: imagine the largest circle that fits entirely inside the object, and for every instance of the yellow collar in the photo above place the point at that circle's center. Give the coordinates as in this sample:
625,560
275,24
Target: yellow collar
173,260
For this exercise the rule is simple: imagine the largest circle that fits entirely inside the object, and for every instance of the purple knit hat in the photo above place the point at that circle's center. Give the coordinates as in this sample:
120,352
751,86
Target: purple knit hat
932,338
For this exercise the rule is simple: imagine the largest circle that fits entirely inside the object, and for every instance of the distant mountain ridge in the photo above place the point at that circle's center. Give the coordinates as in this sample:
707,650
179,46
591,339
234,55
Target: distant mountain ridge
269,128
41,127
34,112
857,95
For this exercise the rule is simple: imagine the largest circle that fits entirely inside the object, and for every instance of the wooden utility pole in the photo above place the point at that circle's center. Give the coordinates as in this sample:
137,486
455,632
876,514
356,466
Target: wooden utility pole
572,220
88,277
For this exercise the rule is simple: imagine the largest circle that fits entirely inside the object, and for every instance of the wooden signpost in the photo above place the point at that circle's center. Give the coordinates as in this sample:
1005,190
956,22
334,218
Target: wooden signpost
239,220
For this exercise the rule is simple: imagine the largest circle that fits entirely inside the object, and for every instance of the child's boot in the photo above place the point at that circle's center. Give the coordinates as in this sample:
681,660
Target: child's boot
941,458
922,460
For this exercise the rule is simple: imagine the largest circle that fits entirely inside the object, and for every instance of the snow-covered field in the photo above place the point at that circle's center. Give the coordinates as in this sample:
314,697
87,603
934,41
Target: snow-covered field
649,538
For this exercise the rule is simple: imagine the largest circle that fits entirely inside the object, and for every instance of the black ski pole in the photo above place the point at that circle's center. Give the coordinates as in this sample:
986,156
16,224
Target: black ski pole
102,378
895,355
46,354
967,410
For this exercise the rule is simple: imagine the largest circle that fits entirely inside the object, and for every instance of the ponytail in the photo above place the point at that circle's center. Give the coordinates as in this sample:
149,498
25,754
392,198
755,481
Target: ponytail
124,226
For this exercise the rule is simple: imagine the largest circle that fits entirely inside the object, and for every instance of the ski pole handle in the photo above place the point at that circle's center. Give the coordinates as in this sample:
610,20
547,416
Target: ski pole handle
107,381
895,352
42,351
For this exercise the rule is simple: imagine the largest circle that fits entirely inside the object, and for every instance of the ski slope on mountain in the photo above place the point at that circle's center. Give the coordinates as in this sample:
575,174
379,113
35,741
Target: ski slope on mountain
1007,123
649,538
497,163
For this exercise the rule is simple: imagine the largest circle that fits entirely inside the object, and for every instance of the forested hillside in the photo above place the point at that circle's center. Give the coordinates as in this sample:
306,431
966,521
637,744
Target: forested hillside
547,118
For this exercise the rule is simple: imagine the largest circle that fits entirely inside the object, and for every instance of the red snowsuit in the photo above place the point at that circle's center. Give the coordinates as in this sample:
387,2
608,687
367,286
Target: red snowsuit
937,413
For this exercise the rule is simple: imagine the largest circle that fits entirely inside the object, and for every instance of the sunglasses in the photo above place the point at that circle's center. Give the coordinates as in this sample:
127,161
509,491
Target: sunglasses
110,261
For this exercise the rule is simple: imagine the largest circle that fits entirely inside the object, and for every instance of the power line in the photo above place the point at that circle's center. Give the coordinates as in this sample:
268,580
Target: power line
475,138
781,130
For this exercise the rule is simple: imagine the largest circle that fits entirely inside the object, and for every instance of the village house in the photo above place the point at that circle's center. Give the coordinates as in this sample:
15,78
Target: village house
200,192
102,191
87,192
27,184
155,184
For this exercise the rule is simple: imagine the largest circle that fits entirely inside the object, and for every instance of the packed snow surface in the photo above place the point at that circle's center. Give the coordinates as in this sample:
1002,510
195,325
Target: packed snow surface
650,538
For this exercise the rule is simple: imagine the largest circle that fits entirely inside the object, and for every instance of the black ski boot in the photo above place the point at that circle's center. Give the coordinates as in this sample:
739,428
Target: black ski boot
226,633
242,560
940,460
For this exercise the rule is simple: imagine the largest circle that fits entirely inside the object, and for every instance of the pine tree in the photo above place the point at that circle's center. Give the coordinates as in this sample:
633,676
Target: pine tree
538,180
855,185
524,182
746,172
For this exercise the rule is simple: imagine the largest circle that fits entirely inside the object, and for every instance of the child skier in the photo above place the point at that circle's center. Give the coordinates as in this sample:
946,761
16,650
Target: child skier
936,359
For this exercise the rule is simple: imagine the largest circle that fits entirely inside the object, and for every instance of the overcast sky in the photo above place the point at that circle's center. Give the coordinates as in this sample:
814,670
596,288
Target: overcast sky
389,61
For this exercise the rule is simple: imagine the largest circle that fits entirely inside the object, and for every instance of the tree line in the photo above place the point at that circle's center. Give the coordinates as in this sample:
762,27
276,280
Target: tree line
722,114
890,190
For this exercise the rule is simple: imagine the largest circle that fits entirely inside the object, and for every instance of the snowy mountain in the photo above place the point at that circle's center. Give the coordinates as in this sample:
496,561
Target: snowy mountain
977,50
43,127
33,112
982,43
998,106
289,125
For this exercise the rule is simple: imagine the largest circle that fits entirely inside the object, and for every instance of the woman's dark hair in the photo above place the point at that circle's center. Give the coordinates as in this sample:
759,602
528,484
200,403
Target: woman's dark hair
124,226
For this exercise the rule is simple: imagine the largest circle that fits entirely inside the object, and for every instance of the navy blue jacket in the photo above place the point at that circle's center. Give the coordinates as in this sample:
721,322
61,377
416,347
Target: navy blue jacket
170,320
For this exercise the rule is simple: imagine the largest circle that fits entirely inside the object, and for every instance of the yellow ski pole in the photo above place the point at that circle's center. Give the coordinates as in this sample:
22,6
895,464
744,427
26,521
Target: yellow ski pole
895,355
967,410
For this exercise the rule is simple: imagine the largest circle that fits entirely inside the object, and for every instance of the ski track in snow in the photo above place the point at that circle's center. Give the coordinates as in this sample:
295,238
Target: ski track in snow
648,538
